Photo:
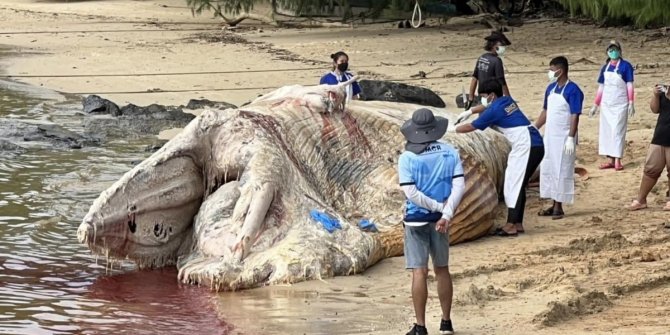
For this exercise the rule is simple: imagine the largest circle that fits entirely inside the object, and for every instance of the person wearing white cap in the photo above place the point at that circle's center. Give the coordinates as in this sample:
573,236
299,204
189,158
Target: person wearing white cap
431,176
614,98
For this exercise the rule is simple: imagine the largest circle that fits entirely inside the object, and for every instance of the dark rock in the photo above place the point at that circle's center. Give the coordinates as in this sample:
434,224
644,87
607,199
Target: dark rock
58,135
13,128
136,121
51,134
153,147
155,111
9,147
202,103
94,104
397,92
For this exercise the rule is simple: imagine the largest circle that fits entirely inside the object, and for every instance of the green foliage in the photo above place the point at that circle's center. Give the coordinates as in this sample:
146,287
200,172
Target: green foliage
221,7
302,7
642,13
235,7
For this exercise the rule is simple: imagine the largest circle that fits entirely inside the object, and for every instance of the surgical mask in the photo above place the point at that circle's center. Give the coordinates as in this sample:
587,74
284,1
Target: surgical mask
500,50
552,76
342,66
485,101
613,54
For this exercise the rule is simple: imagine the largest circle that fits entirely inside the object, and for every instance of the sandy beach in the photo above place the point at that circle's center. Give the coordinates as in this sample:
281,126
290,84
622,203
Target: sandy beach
600,270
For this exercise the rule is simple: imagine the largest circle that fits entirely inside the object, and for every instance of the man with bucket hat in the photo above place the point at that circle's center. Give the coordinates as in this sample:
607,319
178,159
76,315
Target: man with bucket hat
431,176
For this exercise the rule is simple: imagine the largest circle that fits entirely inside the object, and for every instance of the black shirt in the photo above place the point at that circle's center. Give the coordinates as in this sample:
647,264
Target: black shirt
662,132
489,66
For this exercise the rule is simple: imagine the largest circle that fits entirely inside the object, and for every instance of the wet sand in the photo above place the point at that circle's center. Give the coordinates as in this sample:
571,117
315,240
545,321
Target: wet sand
600,270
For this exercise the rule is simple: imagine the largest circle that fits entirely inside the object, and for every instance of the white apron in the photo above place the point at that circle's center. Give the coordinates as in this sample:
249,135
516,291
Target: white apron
349,88
517,161
557,170
613,115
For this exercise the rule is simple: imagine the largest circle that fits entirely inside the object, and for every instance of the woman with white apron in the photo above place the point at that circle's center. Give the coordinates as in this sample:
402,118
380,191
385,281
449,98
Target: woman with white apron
562,107
503,114
615,98
339,74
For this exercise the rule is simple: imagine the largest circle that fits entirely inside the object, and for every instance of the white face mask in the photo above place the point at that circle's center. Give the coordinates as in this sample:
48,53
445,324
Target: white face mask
500,50
485,101
552,76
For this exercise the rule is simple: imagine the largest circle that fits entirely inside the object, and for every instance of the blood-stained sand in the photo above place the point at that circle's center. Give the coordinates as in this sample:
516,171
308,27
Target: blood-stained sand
600,270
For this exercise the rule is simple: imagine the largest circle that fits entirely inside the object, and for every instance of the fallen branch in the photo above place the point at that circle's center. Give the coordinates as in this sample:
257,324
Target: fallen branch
314,23
251,16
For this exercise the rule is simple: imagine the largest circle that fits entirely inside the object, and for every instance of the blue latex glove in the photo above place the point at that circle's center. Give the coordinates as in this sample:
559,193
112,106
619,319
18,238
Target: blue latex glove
367,225
328,222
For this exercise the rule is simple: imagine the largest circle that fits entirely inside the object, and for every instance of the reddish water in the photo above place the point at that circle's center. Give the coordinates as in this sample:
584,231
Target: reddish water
163,306
49,283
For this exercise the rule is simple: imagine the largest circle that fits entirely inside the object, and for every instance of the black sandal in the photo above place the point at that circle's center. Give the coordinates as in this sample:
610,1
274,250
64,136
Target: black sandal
546,212
550,212
503,233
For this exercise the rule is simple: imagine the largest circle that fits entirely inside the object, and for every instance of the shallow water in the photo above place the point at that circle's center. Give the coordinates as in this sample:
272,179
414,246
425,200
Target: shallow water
51,284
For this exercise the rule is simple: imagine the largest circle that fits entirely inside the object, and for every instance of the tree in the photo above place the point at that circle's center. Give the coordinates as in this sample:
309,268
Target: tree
240,9
235,11
642,13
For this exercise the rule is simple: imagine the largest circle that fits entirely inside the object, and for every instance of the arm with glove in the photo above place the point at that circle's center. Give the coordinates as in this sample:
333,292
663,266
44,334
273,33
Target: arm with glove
473,86
575,100
570,140
596,104
466,115
631,98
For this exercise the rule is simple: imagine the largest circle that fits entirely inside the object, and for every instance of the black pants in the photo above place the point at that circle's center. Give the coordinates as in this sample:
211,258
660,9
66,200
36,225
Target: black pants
515,215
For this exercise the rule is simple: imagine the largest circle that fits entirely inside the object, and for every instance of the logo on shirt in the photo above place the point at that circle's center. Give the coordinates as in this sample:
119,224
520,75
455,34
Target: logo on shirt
483,64
432,148
511,108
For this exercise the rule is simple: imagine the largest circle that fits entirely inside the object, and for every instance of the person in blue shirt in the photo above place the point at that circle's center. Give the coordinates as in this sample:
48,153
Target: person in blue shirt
430,173
339,74
503,114
563,102
614,98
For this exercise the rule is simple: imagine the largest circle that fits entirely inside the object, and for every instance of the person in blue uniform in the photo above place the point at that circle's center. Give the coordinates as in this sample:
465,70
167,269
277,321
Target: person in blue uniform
615,100
563,102
503,114
431,175
339,74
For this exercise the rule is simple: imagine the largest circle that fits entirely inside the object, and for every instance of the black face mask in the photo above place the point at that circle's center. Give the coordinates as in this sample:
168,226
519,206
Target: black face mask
342,66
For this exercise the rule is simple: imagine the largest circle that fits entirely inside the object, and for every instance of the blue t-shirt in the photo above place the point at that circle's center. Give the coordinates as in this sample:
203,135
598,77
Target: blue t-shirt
625,71
331,79
432,171
571,93
505,113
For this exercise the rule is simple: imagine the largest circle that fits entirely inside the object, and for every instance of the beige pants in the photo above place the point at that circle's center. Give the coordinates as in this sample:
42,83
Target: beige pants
658,158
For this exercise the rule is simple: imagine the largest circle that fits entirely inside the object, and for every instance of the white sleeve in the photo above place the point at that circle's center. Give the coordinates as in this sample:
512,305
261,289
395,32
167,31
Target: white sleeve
415,196
457,191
